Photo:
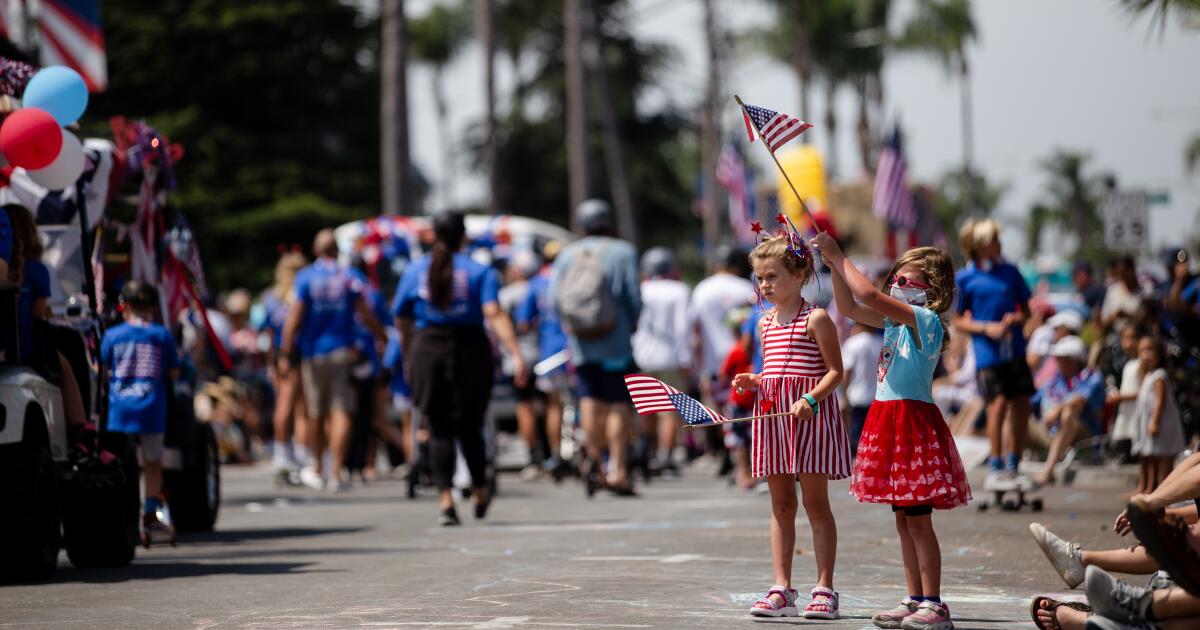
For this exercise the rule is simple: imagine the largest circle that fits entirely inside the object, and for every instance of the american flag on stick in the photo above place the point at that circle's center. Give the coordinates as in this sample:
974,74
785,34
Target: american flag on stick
651,395
776,129
892,199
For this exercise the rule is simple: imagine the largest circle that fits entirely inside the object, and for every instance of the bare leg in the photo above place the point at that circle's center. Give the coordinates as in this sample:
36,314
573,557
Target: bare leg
815,489
619,424
929,553
1169,603
71,397
383,428
668,427
301,425
912,564
527,426
1133,560
318,429
285,405
339,440
592,414
554,417
1018,424
783,528
1068,430
996,410
1143,475
153,475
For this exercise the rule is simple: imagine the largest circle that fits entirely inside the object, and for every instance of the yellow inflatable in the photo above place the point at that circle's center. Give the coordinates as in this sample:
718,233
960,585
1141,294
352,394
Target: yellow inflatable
806,167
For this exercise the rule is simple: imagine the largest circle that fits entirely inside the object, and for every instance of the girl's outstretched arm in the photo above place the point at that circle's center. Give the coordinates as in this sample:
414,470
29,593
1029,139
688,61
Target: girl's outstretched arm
862,289
848,306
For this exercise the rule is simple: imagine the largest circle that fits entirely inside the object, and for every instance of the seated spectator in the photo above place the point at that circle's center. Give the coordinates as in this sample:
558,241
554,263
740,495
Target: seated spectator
1038,352
957,392
1070,402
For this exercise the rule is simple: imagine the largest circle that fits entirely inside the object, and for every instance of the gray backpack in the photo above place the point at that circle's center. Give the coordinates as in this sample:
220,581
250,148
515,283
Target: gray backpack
585,303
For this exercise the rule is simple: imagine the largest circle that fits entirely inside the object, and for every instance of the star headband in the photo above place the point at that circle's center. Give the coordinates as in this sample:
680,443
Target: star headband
796,244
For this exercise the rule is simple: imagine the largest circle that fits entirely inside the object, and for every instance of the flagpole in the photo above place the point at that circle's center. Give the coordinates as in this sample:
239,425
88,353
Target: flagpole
803,206
770,415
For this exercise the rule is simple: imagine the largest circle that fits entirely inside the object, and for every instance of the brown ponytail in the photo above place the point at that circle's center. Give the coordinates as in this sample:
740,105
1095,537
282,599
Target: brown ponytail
448,230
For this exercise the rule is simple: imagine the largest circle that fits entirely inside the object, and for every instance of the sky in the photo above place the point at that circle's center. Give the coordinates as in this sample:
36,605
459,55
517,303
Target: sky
1081,75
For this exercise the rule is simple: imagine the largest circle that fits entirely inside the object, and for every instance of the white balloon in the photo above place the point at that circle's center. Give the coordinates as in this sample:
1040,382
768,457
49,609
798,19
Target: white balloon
65,169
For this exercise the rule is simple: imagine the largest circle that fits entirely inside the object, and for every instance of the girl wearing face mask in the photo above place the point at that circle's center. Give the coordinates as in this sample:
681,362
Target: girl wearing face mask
906,455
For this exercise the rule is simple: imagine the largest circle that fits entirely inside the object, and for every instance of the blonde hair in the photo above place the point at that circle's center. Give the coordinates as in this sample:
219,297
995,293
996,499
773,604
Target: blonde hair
935,263
285,273
977,234
779,248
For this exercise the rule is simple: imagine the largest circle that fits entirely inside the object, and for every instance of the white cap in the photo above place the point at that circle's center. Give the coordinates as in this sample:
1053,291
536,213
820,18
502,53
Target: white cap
1071,347
1070,320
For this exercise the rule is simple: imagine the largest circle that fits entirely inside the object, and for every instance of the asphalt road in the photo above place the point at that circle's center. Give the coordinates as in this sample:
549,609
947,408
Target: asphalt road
691,552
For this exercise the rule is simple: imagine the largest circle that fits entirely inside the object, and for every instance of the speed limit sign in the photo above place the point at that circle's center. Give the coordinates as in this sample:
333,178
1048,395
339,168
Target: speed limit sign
1126,225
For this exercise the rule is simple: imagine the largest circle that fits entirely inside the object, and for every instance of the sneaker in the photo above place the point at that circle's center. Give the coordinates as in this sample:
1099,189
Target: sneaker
310,478
896,616
1066,557
449,517
530,473
929,616
1116,599
156,527
341,486
998,481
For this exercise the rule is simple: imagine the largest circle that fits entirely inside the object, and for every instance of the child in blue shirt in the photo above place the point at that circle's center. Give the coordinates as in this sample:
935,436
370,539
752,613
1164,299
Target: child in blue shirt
139,360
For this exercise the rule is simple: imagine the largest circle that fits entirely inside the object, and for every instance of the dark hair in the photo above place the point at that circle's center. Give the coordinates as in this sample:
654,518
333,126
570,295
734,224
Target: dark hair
448,232
139,296
27,243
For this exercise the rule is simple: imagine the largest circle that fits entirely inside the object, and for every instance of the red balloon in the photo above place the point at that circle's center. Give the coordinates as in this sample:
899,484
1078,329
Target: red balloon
30,138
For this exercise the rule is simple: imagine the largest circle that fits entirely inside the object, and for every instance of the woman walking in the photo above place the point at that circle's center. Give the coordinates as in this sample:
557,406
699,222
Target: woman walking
440,307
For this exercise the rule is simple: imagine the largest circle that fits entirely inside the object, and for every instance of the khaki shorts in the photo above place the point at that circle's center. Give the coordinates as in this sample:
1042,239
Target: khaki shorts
326,381
151,446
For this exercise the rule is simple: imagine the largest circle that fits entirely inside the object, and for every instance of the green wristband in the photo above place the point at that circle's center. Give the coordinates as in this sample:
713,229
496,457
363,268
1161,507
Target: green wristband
812,402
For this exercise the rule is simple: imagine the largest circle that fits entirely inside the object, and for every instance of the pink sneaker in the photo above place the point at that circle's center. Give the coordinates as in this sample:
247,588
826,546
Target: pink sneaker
894,617
929,616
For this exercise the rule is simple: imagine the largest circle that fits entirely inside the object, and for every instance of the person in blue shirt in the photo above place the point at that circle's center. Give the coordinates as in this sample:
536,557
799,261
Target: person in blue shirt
602,358
321,323
1071,402
536,311
441,304
993,304
139,360
290,415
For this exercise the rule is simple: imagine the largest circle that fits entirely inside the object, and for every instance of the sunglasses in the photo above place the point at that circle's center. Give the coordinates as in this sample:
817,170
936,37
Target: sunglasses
905,282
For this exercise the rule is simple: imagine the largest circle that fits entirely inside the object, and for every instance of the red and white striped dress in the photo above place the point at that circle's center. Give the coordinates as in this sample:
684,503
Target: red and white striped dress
792,366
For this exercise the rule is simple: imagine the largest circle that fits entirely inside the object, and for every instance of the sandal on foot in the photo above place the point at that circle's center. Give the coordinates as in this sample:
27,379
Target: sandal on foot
767,607
1051,606
824,604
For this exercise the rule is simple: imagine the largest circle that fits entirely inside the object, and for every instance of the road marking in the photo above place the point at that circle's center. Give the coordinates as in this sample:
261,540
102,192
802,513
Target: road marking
675,559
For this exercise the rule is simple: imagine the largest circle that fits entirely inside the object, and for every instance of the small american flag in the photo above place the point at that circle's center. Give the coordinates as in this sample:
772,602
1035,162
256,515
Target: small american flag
733,176
892,198
651,395
776,129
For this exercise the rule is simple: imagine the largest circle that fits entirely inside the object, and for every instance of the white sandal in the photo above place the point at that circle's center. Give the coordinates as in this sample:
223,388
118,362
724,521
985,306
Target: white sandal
825,608
767,607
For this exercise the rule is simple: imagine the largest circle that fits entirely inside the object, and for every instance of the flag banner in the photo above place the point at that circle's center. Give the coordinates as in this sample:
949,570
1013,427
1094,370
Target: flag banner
651,395
776,129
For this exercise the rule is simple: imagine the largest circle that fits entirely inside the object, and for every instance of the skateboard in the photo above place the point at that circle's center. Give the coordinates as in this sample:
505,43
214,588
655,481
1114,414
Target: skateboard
1011,496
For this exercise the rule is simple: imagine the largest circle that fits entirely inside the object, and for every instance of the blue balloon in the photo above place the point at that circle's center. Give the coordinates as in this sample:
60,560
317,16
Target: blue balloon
60,91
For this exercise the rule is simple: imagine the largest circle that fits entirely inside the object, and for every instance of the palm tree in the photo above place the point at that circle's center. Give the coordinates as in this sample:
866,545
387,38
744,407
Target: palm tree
435,39
1191,155
1188,10
393,109
1071,202
944,28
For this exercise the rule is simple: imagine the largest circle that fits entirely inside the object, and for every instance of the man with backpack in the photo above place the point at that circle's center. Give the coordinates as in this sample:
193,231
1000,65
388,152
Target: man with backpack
595,286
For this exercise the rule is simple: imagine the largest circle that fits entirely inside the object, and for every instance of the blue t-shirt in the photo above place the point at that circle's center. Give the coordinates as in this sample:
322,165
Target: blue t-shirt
139,358
364,340
329,294
906,366
750,327
619,260
34,285
1089,384
474,285
990,295
538,307
6,238
275,314
393,359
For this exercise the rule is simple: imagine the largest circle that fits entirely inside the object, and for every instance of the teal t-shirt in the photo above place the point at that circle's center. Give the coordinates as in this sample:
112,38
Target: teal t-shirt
905,365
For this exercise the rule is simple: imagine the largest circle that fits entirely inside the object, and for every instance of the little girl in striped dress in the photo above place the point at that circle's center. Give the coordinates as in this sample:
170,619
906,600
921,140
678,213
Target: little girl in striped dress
807,441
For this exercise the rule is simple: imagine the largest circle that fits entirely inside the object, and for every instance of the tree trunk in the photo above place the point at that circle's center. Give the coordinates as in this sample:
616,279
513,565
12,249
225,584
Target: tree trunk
710,139
865,140
614,155
968,139
803,72
577,154
443,118
485,23
831,126
393,111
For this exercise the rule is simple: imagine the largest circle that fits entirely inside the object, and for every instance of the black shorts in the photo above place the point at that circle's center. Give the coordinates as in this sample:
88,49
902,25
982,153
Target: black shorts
913,510
594,380
528,393
1011,380
452,370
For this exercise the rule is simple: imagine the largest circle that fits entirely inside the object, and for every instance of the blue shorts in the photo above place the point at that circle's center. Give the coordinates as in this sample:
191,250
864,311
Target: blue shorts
602,382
